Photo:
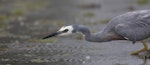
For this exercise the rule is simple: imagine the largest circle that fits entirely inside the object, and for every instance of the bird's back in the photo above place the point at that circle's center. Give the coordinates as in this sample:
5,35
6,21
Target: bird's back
129,17
139,20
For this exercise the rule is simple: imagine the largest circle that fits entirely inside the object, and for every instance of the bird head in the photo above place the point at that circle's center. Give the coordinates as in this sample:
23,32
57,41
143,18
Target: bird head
63,31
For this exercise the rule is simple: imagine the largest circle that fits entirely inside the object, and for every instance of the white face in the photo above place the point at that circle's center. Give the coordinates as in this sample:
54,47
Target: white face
68,28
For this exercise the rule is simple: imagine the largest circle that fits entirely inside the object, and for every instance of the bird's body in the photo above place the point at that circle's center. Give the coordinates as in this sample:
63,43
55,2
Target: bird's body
133,26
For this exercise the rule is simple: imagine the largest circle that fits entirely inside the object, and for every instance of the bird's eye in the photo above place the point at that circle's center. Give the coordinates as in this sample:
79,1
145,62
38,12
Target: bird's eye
66,30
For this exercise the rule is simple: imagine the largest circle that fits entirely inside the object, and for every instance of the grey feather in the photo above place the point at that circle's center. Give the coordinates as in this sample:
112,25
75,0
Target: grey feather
134,32
135,28
132,25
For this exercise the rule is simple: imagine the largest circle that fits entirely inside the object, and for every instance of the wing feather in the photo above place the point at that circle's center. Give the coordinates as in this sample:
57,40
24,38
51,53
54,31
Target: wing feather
134,31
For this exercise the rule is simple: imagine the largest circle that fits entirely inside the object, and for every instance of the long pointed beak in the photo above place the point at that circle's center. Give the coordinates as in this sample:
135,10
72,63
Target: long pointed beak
52,35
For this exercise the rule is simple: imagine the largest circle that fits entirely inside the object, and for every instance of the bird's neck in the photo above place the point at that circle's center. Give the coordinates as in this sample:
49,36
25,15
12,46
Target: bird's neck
98,37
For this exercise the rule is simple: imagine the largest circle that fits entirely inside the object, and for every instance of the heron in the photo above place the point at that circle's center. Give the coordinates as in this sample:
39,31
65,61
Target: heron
132,26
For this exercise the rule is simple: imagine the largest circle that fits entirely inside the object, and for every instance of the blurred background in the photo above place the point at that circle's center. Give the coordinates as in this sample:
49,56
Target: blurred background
24,22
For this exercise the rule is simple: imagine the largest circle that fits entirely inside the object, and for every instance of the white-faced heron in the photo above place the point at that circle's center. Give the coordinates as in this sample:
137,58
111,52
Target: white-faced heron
133,26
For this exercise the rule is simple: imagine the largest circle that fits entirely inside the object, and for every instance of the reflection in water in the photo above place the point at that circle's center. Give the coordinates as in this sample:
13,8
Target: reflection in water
145,56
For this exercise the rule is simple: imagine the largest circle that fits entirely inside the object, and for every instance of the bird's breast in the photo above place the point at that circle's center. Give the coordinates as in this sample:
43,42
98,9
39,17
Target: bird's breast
116,37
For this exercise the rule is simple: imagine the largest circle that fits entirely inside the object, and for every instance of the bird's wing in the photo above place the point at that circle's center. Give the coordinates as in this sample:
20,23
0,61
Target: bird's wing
134,31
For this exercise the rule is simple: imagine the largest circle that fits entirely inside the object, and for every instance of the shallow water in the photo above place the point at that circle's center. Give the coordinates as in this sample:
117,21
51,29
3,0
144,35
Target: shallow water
26,22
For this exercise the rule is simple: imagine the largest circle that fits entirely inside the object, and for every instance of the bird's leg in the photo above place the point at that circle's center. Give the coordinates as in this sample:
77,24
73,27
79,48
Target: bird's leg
141,50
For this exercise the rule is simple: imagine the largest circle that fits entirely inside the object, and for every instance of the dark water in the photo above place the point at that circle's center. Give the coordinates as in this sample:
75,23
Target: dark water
24,22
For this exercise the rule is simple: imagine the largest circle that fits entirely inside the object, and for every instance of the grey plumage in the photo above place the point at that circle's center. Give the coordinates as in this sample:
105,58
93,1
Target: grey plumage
133,26
98,37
